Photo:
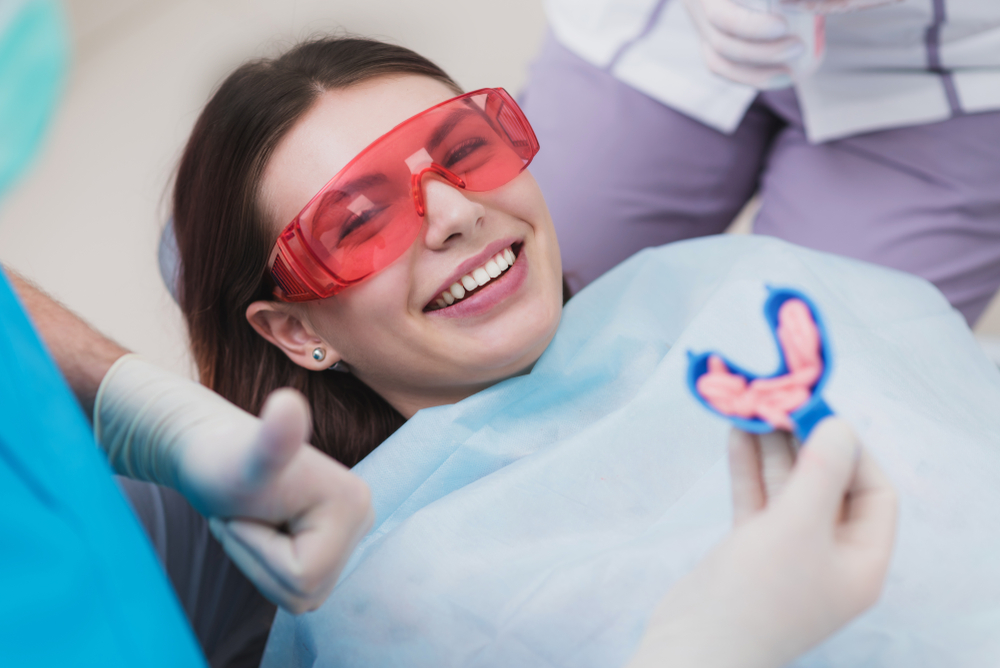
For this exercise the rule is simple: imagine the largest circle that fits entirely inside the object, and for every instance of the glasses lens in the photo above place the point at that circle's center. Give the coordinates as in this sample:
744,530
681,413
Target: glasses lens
365,218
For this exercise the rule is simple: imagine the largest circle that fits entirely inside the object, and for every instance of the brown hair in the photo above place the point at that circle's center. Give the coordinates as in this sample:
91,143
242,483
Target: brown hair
224,237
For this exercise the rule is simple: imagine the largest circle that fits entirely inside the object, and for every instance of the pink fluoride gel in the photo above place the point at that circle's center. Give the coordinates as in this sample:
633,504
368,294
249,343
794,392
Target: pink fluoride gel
771,399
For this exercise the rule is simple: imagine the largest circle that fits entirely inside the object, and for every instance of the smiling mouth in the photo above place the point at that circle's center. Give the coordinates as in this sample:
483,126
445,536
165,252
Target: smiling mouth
477,279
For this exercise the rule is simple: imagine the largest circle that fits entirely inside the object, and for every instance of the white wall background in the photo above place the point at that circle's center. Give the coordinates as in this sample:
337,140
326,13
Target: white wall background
85,223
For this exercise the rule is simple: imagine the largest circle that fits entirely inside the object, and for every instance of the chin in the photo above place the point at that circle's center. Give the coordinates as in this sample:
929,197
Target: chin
517,352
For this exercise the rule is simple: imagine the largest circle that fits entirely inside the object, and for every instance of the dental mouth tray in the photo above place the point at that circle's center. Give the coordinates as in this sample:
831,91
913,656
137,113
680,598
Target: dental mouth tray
790,398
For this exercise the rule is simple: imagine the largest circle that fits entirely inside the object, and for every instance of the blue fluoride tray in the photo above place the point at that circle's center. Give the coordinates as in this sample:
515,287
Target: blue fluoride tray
810,413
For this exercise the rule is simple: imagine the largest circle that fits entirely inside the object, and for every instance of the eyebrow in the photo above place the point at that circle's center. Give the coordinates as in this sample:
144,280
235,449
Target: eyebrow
446,127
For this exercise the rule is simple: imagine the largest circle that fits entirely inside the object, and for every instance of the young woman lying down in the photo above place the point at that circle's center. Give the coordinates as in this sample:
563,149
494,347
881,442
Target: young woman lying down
350,224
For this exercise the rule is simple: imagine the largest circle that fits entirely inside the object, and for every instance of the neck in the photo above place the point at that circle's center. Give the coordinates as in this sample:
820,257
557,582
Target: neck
409,400
408,405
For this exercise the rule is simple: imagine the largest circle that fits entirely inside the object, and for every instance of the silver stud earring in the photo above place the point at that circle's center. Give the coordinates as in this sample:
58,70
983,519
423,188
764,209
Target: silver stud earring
319,354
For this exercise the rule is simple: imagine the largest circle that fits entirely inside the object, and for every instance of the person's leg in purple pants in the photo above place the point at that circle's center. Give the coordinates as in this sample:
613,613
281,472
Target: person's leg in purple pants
923,199
621,171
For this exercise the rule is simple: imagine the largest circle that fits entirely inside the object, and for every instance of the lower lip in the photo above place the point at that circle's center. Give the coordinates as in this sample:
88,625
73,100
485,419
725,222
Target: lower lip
489,296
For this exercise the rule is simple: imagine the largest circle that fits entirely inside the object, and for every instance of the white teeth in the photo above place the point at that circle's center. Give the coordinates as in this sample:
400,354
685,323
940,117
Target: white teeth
479,277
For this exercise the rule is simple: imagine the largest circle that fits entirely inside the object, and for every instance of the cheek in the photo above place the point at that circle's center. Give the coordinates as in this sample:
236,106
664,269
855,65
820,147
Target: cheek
547,246
523,199
366,313
384,296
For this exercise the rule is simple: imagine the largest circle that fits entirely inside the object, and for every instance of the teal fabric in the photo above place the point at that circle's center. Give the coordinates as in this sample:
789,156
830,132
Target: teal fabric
34,53
80,584
538,522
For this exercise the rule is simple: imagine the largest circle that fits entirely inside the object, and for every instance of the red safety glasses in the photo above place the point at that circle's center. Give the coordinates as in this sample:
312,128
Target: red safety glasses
370,213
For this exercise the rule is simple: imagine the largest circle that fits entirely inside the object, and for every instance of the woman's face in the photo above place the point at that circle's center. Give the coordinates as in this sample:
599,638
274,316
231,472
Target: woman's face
390,328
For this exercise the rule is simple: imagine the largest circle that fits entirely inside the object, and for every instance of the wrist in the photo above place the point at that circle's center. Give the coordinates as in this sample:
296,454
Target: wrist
721,615
143,416
83,355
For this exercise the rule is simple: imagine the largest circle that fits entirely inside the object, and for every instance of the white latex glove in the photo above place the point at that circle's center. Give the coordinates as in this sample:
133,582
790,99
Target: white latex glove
286,514
745,45
809,551
756,46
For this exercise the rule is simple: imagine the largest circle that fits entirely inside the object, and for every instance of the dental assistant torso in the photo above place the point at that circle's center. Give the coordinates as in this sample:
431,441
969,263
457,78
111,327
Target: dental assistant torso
79,583
904,63
889,153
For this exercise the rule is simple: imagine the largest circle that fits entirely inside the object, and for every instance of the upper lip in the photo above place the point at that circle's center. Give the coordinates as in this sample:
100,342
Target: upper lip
473,262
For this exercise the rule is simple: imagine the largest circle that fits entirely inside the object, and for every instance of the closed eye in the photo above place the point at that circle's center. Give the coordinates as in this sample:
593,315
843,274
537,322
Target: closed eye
463,150
358,221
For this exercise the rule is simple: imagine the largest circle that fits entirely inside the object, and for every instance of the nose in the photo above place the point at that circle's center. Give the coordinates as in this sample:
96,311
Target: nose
449,213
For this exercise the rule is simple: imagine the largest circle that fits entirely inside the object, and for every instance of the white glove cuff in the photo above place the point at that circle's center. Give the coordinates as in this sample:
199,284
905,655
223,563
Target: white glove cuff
141,416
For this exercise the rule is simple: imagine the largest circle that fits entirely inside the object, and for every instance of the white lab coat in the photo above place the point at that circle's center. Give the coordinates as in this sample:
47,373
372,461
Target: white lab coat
912,62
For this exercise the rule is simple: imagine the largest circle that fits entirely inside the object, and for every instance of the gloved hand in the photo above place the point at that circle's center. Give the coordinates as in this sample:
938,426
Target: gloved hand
758,47
809,551
745,45
286,514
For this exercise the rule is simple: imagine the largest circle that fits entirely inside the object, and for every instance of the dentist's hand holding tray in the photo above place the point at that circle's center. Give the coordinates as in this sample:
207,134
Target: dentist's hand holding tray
811,543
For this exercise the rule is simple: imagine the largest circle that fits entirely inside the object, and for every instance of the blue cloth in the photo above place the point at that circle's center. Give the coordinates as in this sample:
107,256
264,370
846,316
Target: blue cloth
33,56
79,582
538,522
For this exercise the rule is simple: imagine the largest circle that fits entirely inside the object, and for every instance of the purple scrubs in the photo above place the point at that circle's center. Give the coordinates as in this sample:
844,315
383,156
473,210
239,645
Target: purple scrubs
621,171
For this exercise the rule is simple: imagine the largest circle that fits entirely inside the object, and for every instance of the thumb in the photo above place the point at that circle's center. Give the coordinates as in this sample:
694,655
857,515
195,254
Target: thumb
826,466
285,426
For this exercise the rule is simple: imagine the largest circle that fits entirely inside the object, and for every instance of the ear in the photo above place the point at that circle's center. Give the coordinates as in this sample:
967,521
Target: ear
282,328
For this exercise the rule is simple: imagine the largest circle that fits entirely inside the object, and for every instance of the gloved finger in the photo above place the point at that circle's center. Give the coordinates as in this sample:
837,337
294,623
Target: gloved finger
744,23
871,507
285,427
298,569
868,531
777,457
741,51
745,476
823,473
268,558
763,78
